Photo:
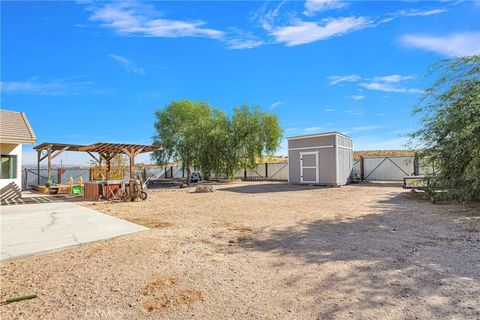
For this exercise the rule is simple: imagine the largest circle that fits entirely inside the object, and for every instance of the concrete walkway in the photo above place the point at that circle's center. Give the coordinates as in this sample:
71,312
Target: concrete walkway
35,228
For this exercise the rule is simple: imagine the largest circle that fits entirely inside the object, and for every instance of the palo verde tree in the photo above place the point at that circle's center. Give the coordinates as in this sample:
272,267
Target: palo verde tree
450,130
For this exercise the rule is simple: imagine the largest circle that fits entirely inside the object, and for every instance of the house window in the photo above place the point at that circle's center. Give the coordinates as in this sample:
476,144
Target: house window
9,167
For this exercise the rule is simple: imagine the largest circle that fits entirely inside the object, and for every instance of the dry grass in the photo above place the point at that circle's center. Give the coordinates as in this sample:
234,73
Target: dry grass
149,222
160,294
159,285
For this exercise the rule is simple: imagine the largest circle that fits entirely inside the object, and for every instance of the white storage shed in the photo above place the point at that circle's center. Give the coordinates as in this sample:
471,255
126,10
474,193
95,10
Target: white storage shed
320,159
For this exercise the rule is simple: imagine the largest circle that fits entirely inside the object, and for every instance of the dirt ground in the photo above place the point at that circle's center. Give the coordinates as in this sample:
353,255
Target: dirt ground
264,251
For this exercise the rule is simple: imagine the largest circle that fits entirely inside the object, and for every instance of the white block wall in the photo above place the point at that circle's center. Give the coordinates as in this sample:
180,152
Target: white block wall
12,149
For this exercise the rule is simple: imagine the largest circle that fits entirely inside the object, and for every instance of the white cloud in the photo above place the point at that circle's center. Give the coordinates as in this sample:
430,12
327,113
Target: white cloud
244,44
338,79
266,17
303,32
55,87
390,83
240,39
388,87
453,45
358,97
392,78
128,65
329,110
380,87
276,104
315,6
142,20
361,129
356,112
310,129
366,128
410,13
137,19
422,13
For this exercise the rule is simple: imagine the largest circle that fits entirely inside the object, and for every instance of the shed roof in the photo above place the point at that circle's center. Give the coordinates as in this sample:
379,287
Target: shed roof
15,128
305,136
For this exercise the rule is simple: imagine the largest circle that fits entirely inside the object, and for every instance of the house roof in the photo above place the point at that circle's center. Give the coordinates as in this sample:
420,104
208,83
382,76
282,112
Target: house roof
15,128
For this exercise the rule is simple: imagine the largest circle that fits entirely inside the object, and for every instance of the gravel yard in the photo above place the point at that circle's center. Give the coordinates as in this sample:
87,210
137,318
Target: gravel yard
264,251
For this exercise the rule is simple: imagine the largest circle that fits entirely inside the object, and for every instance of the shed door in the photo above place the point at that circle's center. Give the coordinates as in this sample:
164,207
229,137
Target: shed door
309,167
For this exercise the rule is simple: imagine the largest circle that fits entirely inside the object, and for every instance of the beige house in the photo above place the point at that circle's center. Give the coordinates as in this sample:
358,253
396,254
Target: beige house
15,130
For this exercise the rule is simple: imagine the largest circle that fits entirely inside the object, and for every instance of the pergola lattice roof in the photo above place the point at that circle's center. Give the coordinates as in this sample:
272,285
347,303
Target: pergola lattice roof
106,151
99,147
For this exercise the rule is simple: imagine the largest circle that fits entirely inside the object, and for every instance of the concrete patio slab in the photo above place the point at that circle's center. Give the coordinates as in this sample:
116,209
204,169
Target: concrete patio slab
36,228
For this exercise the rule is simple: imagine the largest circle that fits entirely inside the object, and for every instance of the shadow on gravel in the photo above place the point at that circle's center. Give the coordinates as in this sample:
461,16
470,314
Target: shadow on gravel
399,252
269,187
379,184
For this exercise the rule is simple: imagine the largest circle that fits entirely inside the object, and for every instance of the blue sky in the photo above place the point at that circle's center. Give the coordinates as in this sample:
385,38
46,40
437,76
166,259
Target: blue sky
96,71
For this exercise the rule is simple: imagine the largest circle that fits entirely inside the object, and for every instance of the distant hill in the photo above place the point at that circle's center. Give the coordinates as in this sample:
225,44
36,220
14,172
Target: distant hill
274,159
382,153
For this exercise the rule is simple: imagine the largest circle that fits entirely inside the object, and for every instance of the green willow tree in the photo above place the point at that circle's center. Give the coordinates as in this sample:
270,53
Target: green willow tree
450,130
177,132
250,135
206,138
212,143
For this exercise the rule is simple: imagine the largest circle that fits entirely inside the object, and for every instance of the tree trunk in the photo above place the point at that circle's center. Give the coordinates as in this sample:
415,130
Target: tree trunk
188,173
230,174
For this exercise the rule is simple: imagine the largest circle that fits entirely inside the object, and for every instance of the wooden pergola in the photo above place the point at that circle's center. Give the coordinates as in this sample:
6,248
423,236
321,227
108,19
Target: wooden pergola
104,150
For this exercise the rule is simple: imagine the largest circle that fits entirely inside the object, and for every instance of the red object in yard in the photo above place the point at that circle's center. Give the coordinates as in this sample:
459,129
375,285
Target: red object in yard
60,171
92,191
96,190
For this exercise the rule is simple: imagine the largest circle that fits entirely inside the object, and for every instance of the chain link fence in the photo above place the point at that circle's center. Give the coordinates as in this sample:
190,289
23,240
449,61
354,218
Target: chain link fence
263,171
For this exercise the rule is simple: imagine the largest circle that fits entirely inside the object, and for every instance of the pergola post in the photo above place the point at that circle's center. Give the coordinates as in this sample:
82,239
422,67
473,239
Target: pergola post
39,156
108,157
49,165
131,154
107,174
132,174
362,168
